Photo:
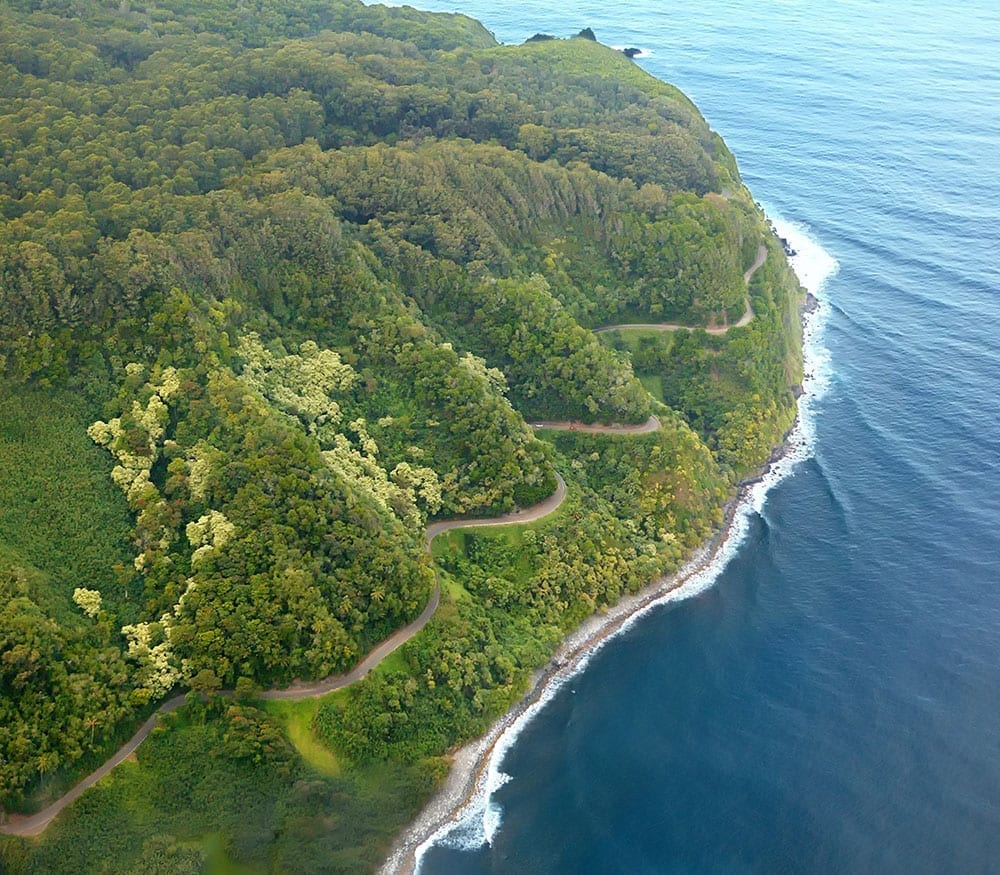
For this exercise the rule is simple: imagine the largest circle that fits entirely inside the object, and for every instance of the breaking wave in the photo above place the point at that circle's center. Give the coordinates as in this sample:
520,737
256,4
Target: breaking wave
479,819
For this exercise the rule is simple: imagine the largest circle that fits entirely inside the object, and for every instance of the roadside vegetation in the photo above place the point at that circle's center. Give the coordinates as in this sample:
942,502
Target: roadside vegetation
279,286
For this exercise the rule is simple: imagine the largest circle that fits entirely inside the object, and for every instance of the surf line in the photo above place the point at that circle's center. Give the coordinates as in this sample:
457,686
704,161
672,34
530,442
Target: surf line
471,800
466,797
35,824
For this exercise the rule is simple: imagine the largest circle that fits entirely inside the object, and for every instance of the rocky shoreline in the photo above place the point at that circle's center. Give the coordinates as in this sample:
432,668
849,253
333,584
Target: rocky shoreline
466,782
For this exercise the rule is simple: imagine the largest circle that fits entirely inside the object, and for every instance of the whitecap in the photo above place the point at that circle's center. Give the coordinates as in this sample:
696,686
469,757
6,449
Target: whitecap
640,52
477,822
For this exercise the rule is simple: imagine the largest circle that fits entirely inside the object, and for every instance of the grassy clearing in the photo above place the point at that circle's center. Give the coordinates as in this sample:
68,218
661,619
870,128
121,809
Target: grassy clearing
299,720
447,542
632,338
451,544
393,662
652,383
452,589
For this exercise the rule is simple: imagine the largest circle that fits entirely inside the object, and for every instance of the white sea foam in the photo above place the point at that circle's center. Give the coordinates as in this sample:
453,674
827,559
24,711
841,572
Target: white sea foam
478,821
814,266
641,53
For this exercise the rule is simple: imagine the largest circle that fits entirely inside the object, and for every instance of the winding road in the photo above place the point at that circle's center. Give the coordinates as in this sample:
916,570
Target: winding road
35,824
651,424
676,326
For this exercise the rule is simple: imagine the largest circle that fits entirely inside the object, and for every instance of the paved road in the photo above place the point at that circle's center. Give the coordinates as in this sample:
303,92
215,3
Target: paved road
651,424
517,517
35,824
676,326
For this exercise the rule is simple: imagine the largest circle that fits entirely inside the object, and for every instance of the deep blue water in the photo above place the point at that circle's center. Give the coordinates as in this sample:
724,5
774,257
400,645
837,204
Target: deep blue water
832,704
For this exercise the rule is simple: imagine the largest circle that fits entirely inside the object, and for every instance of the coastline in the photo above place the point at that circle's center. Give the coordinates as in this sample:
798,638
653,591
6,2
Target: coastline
474,772
468,780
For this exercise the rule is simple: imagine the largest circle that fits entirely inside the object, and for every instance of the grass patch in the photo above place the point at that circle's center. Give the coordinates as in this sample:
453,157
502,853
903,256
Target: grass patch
486,544
299,721
652,383
632,338
213,850
452,589
501,551
448,542
393,662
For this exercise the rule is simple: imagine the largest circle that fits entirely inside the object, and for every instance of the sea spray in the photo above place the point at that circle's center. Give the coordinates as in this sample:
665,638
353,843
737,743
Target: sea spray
814,266
639,53
476,820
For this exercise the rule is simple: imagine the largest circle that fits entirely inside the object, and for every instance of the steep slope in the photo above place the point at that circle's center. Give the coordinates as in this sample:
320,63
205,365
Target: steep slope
304,270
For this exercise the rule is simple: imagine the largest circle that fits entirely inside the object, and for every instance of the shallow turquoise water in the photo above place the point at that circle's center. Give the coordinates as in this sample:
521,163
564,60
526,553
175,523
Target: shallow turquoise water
832,703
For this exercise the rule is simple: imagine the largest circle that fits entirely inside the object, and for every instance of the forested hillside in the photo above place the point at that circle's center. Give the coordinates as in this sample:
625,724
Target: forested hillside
279,284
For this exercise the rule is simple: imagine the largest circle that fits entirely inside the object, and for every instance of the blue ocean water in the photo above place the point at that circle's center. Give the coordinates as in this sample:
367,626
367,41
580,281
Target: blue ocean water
832,702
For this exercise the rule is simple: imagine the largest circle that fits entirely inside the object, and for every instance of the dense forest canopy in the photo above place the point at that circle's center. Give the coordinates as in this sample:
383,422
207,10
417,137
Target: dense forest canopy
281,282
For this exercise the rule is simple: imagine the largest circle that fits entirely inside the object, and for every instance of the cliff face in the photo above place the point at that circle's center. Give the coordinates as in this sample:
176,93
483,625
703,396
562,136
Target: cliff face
302,274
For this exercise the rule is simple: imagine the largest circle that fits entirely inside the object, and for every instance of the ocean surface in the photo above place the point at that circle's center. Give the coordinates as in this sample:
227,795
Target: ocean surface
829,700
